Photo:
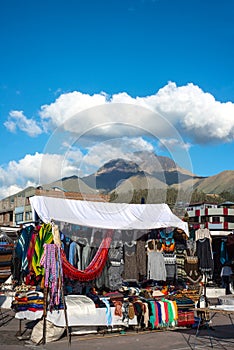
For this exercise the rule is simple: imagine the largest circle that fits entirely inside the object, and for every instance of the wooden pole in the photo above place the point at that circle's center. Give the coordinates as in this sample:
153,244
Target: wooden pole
64,302
45,314
66,319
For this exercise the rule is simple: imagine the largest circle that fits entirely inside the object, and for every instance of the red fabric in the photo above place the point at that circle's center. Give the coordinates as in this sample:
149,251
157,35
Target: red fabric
166,311
156,322
30,252
185,318
95,267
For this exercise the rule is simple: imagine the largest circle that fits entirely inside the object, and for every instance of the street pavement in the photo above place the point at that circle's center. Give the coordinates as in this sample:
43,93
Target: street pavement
220,335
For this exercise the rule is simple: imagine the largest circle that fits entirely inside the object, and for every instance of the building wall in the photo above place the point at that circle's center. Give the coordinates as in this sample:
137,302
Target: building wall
212,217
16,209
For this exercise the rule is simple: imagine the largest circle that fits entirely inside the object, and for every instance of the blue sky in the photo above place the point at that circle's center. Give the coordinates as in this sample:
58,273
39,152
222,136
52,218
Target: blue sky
169,60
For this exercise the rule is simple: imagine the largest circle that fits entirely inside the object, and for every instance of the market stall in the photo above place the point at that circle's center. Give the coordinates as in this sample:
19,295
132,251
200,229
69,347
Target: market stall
109,253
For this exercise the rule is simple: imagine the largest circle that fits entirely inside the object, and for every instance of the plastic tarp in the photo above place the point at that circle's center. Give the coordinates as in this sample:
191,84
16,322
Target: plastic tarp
105,215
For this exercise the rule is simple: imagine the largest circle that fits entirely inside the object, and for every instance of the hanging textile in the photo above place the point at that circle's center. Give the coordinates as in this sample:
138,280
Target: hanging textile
51,261
230,247
162,313
94,268
30,277
156,266
22,247
45,236
205,257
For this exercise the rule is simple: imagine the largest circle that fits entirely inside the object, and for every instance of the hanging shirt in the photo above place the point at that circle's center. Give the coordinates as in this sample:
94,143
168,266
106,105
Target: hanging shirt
156,266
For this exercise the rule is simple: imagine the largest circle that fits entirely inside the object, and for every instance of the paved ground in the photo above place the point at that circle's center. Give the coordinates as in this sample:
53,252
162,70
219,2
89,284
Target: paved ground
221,336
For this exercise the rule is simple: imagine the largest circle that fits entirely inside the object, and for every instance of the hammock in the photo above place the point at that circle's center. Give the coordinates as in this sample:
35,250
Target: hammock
96,265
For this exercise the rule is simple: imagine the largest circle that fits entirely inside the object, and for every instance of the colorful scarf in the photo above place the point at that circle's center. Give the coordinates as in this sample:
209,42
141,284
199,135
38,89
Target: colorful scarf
51,261
44,237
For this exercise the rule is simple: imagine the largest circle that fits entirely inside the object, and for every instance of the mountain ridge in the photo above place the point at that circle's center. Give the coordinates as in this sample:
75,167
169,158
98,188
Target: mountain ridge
146,170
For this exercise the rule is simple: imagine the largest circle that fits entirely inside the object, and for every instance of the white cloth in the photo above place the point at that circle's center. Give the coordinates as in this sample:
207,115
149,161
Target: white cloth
81,311
222,307
106,215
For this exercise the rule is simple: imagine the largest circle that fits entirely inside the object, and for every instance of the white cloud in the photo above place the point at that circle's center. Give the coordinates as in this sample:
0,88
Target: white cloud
173,143
89,130
112,149
6,191
37,169
17,120
69,104
33,170
193,113
186,108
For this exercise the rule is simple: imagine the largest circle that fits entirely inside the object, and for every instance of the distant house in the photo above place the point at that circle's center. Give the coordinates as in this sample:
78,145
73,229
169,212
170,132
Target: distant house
218,218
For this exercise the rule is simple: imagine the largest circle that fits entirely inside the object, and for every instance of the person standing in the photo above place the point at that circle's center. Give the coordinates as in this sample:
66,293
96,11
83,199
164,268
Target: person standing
226,273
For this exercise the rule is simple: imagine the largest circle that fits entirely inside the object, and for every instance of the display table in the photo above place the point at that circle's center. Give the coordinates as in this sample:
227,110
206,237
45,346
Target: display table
226,300
81,311
6,300
212,311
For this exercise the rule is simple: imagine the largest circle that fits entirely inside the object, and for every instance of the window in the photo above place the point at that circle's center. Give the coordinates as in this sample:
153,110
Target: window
216,219
27,202
19,217
28,215
229,218
195,219
204,219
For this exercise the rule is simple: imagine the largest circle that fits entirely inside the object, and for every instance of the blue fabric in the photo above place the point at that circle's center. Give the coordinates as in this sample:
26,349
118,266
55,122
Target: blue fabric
159,313
72,253
108,312
223,253
22,246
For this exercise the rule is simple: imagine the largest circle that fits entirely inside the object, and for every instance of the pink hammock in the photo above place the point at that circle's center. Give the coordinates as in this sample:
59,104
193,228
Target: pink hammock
95,267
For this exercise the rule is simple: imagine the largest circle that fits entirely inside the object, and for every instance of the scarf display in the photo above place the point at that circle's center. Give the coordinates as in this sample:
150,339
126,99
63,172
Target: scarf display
95,267
44,236
162,313
51,261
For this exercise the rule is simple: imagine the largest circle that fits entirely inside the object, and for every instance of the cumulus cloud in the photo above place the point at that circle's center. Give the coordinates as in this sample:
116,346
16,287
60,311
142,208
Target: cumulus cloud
89,130
33,170
173,143
69,104
194,113
38,169
6,191
17,120
112,149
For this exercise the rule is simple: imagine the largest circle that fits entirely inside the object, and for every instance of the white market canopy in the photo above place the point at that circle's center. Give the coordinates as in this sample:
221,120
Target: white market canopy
105,215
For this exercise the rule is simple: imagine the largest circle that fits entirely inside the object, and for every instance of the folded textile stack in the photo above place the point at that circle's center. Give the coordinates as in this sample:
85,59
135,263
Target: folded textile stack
185,318
184,303
32,301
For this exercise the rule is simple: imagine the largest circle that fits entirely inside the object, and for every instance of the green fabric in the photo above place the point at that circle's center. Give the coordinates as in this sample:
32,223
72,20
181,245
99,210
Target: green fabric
45,236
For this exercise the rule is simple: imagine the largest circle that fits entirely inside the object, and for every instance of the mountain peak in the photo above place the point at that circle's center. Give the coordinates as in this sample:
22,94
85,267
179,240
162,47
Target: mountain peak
118,164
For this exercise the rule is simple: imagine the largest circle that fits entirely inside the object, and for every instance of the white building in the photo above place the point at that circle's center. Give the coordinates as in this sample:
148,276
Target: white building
218,218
